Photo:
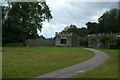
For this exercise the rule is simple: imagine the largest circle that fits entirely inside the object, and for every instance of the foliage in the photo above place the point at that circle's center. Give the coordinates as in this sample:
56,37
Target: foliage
75,40
109,41
41,37
84,41
107,23
80,32
118,43
92,27
71,29
22,20
105,39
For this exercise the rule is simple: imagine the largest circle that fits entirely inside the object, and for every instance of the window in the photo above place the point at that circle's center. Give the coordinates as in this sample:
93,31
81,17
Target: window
63,41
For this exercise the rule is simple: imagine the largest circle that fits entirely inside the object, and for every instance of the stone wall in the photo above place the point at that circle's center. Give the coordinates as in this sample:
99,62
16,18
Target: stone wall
31,42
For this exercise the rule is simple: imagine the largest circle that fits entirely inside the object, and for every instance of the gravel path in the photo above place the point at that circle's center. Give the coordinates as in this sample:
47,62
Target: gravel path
99,58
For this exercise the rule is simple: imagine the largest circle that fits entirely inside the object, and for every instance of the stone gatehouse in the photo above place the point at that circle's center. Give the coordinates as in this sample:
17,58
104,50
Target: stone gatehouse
63,39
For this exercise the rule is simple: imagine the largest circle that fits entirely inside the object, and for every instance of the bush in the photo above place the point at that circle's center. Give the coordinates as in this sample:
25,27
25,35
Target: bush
109,41
84,42
118,43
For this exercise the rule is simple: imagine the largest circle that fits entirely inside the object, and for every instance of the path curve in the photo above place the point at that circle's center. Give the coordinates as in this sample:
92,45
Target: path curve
99,58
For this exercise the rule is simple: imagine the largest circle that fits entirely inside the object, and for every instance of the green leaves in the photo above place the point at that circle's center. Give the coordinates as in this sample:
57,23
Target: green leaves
108,22
92,27
24,18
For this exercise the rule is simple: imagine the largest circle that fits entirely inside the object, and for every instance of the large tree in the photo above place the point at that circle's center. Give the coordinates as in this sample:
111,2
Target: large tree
21,20
108,22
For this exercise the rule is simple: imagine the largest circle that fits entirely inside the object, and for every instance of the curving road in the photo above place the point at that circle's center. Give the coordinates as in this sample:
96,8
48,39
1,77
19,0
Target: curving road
99,58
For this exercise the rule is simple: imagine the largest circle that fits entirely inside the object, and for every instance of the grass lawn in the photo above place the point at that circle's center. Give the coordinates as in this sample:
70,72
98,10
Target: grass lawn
108,69
28,62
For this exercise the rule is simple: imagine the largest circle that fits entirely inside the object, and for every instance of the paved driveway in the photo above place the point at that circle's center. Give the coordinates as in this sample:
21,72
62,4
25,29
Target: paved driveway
99,58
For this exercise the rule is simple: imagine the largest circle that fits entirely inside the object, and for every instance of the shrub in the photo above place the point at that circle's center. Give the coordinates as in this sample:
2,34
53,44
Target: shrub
84,42
109,41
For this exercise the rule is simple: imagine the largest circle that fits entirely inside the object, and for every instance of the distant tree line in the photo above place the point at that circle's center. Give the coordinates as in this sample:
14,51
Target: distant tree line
108,23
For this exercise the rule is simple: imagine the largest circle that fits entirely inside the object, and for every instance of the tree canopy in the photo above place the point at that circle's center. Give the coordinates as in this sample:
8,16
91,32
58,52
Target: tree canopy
81,32
92,27
107,23
21,20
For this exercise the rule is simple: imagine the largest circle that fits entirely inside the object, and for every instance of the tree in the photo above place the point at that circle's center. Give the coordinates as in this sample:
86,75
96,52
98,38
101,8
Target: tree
82,32
92,27
108,22
41,37
84,41
23,20
71,29
109,41
118,43
118,20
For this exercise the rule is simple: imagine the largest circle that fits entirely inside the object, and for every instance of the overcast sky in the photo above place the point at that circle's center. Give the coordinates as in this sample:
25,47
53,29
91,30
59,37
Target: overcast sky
78,13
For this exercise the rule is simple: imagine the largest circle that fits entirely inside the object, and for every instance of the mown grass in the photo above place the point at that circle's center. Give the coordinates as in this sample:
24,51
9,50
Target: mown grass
28,62
109,69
